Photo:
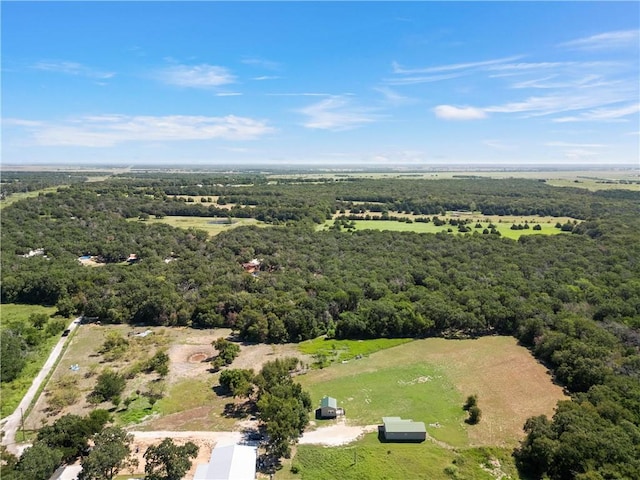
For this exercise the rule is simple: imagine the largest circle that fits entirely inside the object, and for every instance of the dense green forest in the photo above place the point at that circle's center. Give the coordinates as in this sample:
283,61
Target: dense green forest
574,300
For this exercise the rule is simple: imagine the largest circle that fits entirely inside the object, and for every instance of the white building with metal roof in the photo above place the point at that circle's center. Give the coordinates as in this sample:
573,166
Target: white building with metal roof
229,462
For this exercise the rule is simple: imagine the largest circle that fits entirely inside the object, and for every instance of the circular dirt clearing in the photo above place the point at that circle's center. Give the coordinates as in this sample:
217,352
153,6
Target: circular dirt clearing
198,357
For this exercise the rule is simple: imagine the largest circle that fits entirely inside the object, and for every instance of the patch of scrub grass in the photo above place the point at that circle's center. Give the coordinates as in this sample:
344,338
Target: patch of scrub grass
186,394
369,458
135,412
342,350
420,392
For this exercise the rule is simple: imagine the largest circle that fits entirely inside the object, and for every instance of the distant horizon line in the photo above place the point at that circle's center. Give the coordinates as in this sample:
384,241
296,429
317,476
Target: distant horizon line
356,167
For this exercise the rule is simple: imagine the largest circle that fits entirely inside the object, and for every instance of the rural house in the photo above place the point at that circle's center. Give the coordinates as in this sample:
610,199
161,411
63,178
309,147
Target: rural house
396,429
230,462
329,408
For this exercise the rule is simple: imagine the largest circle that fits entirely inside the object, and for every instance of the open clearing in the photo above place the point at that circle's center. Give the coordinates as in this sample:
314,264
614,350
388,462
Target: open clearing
211,225
428,380
189,402
502,225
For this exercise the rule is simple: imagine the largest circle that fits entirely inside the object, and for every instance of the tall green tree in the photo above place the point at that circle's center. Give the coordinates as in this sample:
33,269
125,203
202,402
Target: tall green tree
111,453
38,462
12,359
168,461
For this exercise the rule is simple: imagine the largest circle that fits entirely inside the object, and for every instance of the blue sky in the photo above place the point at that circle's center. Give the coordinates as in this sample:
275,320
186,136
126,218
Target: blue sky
321,83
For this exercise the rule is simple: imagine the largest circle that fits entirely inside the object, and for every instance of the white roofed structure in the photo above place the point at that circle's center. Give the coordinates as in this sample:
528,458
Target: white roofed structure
229,462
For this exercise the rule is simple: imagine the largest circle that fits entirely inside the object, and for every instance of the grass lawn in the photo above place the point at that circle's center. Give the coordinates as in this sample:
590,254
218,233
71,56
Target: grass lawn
369,459
211,225
342,350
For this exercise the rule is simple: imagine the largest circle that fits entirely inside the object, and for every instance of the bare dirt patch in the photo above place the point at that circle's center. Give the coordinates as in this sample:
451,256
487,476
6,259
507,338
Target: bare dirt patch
198,357
206,441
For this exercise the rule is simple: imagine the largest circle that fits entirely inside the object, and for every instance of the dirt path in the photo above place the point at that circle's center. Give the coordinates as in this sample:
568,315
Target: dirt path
12,422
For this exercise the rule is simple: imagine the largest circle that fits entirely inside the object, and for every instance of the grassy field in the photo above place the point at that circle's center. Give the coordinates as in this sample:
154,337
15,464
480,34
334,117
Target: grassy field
369,459
427,378
211,225
343,350
595,184
418,227
13,312
421,392
12,392
16,197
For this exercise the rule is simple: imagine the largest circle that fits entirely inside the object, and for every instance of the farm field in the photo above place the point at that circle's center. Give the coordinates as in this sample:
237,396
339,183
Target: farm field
212,225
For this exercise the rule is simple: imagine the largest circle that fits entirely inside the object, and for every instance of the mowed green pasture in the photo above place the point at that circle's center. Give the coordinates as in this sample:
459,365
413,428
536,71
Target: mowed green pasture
419,391
428,380
212,225
418,227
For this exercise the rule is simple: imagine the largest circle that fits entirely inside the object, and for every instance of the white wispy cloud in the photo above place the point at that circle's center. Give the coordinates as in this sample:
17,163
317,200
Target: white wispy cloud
422,79
72,68
499,145
398,69
110,130
450,112
337,113
558,103
261,62
605,41
266,77
301,94
574,145
18,122
616,114
392,97
196,76
528,66
228,94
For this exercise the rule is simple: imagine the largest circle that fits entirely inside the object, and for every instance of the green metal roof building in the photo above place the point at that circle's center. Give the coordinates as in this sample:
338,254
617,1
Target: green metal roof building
403,430
329,408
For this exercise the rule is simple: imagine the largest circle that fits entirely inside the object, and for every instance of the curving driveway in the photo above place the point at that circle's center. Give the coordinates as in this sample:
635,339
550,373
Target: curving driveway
11,424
